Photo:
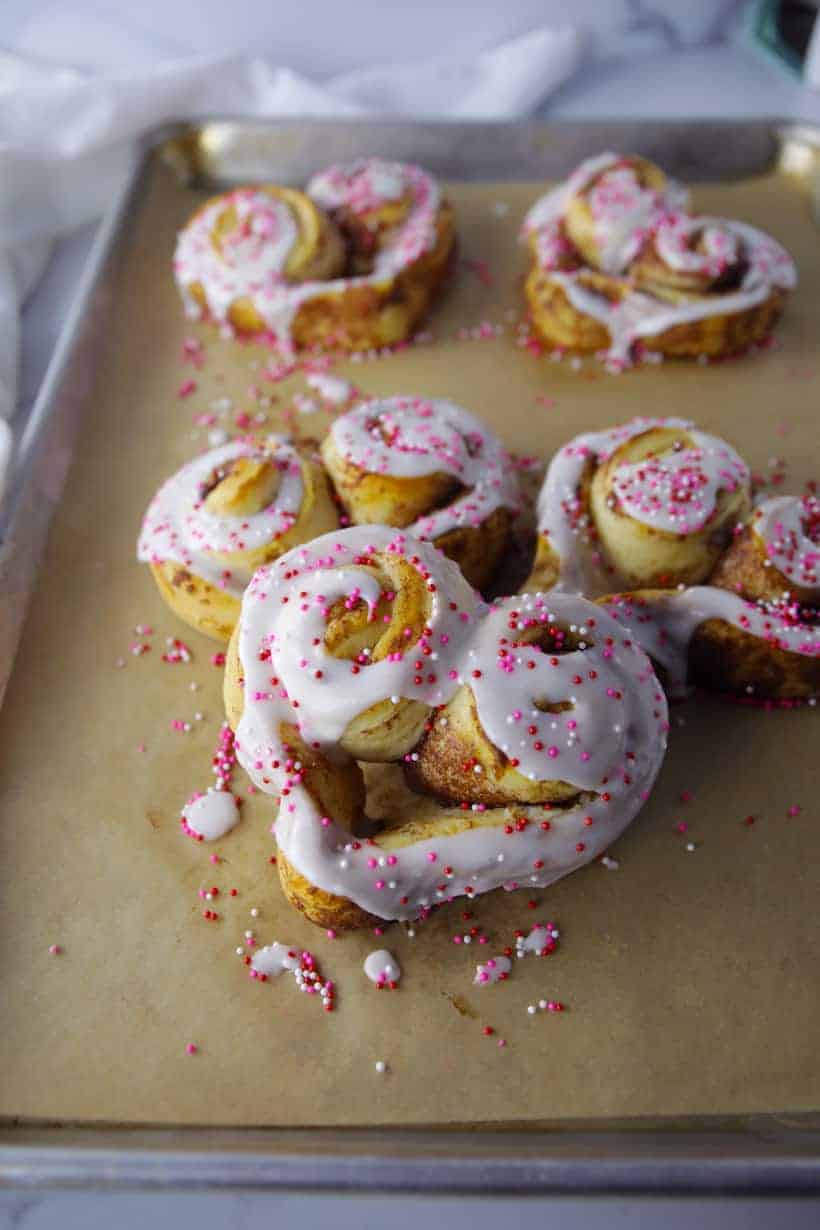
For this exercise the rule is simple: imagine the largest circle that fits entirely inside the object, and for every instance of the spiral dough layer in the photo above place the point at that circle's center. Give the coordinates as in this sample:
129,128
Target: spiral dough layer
559,692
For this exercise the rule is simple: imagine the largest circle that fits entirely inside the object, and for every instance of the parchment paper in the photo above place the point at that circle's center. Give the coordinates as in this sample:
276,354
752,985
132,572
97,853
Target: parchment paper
690,978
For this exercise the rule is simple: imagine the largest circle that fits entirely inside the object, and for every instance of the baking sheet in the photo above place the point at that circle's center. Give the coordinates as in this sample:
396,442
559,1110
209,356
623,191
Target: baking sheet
689,977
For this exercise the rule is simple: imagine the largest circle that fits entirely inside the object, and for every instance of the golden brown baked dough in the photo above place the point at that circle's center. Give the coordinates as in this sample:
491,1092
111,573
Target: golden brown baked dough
333,635
430,466
352,264
695,637
619,265
223,515
651,503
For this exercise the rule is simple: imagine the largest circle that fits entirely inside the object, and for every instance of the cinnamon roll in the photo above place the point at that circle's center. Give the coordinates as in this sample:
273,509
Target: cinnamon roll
352,263
431,467
543,729
652,503
755,629
618,263
221,516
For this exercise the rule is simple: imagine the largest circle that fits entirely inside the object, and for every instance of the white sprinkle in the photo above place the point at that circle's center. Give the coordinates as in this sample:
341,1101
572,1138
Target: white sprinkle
381,1066
331,388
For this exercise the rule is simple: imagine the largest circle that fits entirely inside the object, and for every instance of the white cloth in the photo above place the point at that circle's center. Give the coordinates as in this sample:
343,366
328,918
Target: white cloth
67,131
66,135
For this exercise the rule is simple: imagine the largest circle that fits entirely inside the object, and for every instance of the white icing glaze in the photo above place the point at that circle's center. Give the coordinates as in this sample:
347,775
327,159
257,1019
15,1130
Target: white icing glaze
625,218
639,314
410,437
212,815
624,213
710,467
710,246
790,530
382,967
615,733
697,245
179,528
496,969
540,941
254,272
275,959
677,491
284,611
664,624
332,388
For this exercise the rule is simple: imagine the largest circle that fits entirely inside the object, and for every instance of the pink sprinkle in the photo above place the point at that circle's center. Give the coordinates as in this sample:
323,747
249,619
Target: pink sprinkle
794,810
482,271
55,950
682,826
186,388
192,351
502,1042
191,1048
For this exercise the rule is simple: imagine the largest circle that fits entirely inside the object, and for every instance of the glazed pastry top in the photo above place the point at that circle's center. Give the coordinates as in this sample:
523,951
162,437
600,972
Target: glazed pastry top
252,259
183,526
623,211
413,437
665,622
675,491
285,612
367,186
789,528
600,714
702,266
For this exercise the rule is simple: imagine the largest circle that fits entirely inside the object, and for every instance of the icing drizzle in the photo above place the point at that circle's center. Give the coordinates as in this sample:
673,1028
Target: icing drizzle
675,491
250,262
178,527
410,437
790,530
625,218
664,624
611,744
